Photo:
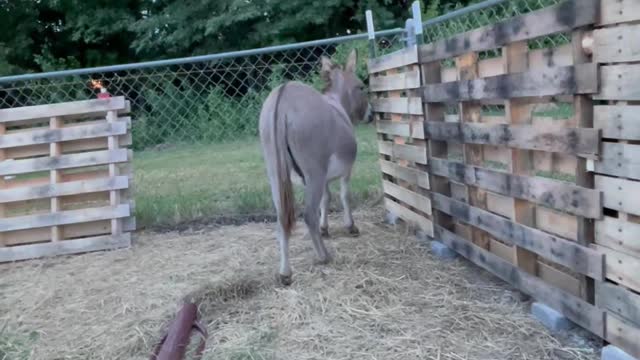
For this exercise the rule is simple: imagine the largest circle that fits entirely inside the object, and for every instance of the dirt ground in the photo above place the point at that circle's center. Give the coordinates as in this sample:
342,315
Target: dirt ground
384,297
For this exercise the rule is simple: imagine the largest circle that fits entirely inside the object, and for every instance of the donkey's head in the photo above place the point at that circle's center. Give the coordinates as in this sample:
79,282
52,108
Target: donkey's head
349,89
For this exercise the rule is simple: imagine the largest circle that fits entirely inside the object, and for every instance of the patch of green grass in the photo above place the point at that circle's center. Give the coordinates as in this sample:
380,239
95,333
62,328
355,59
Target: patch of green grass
16,347
557,176
189,182
558,112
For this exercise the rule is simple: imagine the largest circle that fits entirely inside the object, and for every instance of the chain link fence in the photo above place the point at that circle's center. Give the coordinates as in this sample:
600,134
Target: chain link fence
195,120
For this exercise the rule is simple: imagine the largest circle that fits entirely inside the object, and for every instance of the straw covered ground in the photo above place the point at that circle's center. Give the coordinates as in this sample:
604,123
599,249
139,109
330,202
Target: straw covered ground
384,297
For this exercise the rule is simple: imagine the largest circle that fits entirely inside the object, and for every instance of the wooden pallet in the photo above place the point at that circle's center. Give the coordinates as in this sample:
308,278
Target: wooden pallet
65,179
549,205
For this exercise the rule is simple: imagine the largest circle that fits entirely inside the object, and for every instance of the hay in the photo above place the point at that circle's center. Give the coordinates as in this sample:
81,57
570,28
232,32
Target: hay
384,297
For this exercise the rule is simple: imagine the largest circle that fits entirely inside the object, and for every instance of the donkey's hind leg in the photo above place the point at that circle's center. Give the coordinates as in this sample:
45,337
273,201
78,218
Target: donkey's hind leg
324,209
348,216
312,197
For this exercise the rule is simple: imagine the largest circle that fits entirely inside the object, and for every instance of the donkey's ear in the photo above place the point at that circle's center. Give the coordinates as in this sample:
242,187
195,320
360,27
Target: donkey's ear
327,64
352,61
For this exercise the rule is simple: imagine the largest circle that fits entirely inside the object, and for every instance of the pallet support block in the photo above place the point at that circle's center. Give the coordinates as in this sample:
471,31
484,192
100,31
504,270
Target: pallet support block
611,352
550,318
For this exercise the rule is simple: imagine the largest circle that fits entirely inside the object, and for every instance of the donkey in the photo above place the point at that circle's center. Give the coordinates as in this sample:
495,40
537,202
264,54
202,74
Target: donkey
310,134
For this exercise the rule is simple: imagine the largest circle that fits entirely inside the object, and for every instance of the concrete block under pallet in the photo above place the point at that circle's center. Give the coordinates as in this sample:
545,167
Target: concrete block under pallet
550,318
442,251
611,352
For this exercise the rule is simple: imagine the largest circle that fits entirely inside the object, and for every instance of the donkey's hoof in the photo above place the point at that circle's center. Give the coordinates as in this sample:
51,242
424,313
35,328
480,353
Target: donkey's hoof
284,280
322,261
354,231
324,232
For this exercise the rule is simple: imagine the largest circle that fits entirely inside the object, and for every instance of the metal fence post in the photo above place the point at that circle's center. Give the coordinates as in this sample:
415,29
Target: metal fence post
417,22
372,34
410,34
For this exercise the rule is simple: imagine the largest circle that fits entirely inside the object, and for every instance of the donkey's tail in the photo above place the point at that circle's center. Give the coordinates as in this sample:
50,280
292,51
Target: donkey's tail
286,208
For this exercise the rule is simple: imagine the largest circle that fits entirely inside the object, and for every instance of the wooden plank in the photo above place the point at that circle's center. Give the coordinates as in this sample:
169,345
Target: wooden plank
623,335
619,300
489,67
559,279
416,154
500,204
619,160
407,196
46,136
448,75
67,147
581,142
575,257
400,81
548,192
505,252
55,150
619,235
63,162
551,57
560,80
63,218
410,217
579,311
93,228
86,107
63,189
66,247
619,82
621,268
401,128
618,121
557,223
619,194
400,58
410,175
550,20
411,105
616,44
619,11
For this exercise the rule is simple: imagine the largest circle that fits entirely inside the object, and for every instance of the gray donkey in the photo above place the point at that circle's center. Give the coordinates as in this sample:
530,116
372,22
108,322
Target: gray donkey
311,133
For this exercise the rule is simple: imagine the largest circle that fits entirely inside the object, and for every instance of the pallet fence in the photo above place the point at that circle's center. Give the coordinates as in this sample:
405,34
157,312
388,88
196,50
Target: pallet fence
543,190
65,179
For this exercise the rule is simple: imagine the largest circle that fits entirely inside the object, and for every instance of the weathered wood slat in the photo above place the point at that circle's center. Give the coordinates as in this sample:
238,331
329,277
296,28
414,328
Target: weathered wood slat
579,141
410,217
93,228
67,147
560,80
63,162
621,268
87,107
619,300
619,11
63,189
579,311
619,194
394,60
616,44
619,160
500,204
63,218
623,334
407,196
617,121
411,106
557,223
618,235
554,19
406,152
400,81
559,279
410,175
619,82
550,57
65,247
401,128
46,136
548,192
578,258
